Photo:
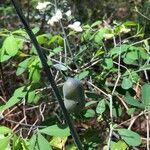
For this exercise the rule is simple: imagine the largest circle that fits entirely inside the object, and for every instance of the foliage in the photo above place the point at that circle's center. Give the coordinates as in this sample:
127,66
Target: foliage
110,58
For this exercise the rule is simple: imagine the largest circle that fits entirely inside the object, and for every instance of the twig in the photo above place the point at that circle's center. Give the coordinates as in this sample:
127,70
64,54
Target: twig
24,109
110,135
148,130
98,89
142,14
140,41
19,123
135,117
42,110
23,124
32,127
122,101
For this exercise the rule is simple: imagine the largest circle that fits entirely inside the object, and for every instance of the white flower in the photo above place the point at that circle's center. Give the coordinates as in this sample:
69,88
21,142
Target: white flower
76,26
42,6
55,18
52,21
58,14
68,13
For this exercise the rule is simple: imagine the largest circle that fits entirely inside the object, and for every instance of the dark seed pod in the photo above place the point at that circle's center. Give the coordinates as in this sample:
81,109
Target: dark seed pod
74,98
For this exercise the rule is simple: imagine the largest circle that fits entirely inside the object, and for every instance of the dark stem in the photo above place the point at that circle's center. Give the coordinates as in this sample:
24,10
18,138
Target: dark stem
3,88
49,75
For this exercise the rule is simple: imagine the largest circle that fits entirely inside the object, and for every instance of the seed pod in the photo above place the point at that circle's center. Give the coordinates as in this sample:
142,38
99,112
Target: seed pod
70,105
73,92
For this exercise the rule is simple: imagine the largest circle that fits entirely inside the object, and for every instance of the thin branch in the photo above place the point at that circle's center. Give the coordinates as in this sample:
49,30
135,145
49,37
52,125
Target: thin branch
148,130
142,14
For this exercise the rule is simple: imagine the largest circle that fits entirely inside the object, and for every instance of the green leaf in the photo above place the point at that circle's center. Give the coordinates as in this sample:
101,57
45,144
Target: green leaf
19,143
34,66
4,143
86,35
31,96
101,107
128,61
35,30
99,35
126,83
43,144
54,130
5,130
10,45
21,32
130,137
3,55
33,143
58,142
130,100
56,51
146,94
131,111
89,113
35,75
43,39
56,39
144,55
130,23
118,50
82,75
145,67
108,63
96,23
120,145
22,66
133,55
17,96
71,147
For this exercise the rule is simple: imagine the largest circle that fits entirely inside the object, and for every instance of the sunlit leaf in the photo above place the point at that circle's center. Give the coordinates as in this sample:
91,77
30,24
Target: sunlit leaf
58,142
54,130
43,144
126,83
130,137
146,94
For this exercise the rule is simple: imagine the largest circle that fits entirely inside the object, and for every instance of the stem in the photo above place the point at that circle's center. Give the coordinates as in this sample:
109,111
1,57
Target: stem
147,126
49,75
2,86
110,135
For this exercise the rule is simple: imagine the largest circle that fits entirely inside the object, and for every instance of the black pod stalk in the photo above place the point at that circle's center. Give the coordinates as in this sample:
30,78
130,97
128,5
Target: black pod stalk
49,74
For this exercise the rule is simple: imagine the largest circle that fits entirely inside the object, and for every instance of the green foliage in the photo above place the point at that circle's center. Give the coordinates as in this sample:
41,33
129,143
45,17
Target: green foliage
110,58
126,83
89,113
120,145
101,107
146,94
43,143
56,131
130,137
18,95
4,142
4,130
